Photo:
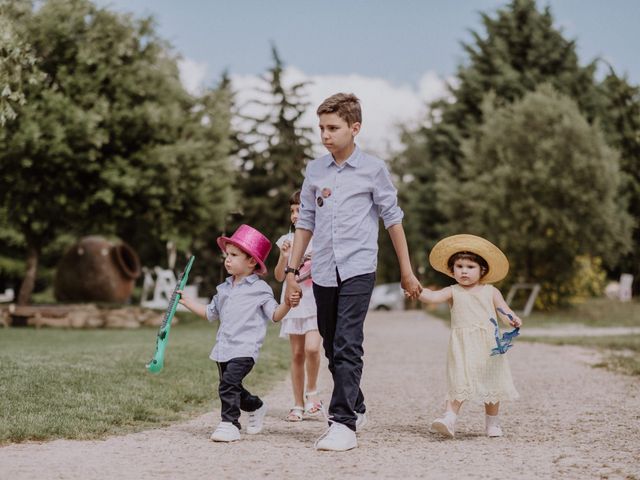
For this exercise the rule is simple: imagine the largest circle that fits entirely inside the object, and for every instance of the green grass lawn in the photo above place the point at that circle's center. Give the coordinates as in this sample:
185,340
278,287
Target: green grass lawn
85,384
621,353
594,312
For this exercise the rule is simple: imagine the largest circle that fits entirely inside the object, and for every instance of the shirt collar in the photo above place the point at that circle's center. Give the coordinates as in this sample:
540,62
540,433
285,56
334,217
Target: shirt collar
251,279
352,161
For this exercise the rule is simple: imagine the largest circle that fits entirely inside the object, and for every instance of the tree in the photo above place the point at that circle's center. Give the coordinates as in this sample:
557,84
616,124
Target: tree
621,124
540,182
110,142
519,51
17,63
216,111
277,148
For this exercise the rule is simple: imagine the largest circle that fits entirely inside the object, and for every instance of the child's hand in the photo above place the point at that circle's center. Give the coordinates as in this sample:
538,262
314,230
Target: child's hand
286,248
192,304
411,286
185,300
294,300
515,321
292,289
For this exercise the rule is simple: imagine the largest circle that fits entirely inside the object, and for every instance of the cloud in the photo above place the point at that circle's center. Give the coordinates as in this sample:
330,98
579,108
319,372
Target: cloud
192,75
385,106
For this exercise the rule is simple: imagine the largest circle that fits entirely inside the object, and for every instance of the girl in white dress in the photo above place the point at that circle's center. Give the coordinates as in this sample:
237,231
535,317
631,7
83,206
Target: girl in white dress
472,372
301,326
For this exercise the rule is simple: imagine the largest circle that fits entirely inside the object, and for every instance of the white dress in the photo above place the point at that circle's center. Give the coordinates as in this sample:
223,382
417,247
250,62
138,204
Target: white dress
303,318
472,374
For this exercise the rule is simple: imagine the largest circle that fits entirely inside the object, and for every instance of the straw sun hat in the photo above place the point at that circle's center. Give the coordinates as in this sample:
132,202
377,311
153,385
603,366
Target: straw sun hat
445,248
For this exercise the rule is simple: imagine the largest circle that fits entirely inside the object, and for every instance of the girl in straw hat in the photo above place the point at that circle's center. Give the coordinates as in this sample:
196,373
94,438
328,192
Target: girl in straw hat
472,373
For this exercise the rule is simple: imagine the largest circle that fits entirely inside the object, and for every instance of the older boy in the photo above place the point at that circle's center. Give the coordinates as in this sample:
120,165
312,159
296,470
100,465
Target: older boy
343,195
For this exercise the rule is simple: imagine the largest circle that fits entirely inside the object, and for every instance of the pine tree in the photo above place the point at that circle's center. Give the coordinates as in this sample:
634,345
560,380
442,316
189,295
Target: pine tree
276,149
519,50
621,124
524,186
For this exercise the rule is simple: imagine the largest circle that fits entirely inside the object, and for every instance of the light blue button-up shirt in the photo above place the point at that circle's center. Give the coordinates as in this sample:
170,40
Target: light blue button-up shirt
244,310
341,206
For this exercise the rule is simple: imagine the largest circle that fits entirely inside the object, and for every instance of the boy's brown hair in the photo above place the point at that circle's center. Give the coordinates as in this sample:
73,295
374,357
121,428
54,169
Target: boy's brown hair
474,257
294,199
345,105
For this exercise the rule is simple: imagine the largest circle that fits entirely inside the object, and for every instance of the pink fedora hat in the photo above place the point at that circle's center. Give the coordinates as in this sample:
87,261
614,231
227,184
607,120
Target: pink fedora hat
250,241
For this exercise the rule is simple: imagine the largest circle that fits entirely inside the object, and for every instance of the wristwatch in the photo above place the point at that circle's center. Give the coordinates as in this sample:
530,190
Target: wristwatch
295,271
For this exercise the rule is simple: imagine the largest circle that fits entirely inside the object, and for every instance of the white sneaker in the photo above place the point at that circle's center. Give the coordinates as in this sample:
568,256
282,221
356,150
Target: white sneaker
492,426
361,421
256,420
337,438
444,426
225,432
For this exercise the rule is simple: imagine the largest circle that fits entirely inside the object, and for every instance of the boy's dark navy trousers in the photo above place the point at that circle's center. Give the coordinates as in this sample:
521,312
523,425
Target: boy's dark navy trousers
341,314
233,396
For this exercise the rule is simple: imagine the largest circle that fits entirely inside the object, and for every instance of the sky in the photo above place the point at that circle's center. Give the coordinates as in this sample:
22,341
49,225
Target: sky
396,55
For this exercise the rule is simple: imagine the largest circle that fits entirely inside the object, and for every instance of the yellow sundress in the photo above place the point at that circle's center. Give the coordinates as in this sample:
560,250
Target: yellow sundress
472,374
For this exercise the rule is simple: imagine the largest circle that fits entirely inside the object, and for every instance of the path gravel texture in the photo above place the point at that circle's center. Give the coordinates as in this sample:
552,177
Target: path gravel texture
572,421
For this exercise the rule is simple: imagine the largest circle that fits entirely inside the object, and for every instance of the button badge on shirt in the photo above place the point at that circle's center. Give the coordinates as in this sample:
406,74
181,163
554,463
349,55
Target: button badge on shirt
326,193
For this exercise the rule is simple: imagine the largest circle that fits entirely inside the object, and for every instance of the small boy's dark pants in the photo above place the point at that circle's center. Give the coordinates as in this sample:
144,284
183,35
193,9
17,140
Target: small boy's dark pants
233,396
341,314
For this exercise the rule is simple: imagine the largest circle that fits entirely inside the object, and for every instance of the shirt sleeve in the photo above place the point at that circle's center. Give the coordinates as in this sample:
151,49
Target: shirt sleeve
212,309
385,196
307,216
269,305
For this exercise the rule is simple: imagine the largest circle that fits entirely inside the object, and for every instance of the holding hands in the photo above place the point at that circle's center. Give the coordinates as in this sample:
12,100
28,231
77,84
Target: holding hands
411,286
293,292
294,299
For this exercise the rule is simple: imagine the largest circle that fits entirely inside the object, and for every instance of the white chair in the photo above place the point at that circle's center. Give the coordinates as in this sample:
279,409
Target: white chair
625,290
7,296
163,287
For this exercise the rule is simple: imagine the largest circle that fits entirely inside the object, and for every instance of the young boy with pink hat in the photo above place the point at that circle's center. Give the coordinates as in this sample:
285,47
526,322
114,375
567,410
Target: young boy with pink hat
244,304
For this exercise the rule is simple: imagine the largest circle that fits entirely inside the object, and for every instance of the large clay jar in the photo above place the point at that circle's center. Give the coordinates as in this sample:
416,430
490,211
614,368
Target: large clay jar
96,270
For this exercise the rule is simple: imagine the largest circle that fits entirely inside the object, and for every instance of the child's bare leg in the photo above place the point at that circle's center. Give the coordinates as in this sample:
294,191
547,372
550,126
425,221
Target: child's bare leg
453,406
312,343
297,368
492,422
492,408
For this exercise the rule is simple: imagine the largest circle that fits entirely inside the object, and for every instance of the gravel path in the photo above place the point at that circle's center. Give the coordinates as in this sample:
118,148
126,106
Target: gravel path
573,421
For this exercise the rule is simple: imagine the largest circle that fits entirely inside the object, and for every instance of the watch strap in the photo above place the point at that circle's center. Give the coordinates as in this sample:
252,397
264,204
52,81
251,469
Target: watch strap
295,271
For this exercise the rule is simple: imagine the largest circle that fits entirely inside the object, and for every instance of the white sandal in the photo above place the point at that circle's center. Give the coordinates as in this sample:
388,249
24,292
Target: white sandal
295,414
312,408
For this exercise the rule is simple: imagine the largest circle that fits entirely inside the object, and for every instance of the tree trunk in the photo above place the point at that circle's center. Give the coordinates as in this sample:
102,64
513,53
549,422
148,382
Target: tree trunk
29,281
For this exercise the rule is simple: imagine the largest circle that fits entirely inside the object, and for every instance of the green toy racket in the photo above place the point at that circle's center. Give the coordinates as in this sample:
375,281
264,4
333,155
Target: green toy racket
156,364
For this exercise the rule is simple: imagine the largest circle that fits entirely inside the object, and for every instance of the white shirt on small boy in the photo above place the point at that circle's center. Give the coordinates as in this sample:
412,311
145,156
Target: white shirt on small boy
244,310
